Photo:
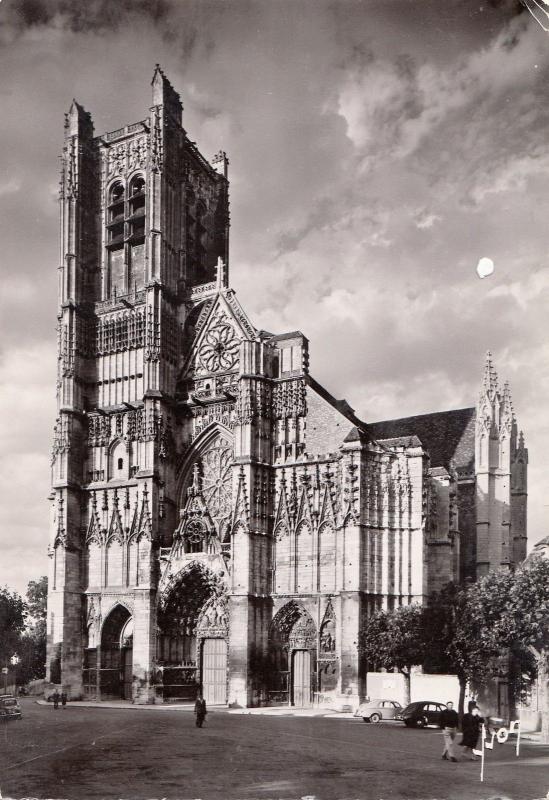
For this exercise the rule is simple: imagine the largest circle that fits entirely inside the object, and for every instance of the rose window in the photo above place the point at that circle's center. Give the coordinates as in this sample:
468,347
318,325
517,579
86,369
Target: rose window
219,350
217,481
195,533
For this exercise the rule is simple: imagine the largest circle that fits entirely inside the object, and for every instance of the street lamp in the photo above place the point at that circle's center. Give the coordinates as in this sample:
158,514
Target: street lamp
14,660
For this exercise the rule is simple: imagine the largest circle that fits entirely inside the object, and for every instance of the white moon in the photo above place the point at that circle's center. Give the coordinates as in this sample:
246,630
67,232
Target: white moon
485,267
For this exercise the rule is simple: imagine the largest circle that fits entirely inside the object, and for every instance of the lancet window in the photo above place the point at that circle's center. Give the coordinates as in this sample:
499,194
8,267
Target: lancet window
125,236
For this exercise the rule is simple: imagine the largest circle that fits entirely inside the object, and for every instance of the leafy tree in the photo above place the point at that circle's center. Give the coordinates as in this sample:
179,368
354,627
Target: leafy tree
466,633
37,598
527,625
395,640
12,624
33,642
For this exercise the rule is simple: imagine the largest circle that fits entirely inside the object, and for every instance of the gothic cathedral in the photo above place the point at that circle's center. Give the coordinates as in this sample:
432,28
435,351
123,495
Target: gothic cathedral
218,519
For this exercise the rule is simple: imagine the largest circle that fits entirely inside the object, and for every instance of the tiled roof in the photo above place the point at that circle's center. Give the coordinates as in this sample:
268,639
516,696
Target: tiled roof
400,441
447,435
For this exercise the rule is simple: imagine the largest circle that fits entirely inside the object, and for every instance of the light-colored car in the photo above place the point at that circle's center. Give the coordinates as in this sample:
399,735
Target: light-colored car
376,710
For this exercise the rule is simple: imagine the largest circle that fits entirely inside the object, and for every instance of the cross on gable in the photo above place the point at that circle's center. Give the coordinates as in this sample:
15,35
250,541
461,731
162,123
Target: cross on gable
220,278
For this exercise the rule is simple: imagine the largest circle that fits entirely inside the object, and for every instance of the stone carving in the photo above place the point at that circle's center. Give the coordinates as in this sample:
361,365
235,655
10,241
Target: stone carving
116,160
152,352
327,631
239,314
219,349
217,412
303,634
61,435
71,169
241,508
214,618
327,638
157,144
284,621
137,153
217,480
290,399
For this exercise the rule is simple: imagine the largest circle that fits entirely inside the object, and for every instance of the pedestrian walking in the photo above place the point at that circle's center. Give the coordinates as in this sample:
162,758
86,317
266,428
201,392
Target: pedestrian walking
470,728
448,721
63,699
55,699
200,710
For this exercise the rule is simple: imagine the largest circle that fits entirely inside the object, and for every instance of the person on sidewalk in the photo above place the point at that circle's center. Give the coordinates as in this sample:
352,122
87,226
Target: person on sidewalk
470,728
55,699
448,721
200,710
63,699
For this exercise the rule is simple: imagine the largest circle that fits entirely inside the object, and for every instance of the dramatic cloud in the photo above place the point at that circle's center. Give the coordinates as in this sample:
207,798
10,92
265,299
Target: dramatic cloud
378,149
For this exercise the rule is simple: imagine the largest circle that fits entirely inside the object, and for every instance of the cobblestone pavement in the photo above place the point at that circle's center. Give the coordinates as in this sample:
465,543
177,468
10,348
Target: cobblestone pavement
107,753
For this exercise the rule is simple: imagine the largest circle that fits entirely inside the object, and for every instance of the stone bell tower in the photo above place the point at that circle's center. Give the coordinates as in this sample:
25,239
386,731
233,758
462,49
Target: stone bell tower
501,467
144,219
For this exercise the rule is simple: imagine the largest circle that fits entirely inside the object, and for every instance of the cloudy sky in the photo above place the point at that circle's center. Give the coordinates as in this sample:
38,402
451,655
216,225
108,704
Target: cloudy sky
378,149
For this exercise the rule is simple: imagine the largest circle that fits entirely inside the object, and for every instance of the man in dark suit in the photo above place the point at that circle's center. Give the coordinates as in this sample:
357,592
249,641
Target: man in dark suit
448,721
200,710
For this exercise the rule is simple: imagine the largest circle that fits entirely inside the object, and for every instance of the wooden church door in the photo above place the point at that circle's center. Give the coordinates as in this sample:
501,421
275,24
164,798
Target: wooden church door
214,671
301,678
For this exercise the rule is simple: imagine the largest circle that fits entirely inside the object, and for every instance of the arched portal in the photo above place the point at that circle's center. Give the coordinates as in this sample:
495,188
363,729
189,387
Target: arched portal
192,610
293,655
117,655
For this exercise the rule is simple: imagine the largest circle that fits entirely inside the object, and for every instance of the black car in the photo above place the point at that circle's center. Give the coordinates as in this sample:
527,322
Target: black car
422,713
9,708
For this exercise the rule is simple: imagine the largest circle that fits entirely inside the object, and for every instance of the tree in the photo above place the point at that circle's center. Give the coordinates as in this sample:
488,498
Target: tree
465,629
37,598
395,640
477,631
12,624
527,625
33,642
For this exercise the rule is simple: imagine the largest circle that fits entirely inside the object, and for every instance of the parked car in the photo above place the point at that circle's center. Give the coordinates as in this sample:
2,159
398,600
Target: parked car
376,710
9,708
422,713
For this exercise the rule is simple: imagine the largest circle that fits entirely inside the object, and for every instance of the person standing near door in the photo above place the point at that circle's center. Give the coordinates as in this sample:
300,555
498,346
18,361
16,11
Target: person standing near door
448,721
200,710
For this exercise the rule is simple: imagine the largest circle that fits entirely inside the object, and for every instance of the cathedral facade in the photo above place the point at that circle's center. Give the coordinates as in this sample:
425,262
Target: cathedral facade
219,519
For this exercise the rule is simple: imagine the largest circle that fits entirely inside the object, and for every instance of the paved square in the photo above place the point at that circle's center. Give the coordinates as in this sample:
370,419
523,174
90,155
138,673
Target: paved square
95,753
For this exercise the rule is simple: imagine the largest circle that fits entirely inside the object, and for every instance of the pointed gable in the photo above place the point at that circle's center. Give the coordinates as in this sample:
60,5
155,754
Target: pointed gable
241,507
220,328
145,524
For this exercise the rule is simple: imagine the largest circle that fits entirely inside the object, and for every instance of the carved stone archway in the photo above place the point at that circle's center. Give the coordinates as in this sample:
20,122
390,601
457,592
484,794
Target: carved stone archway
190,604
292,630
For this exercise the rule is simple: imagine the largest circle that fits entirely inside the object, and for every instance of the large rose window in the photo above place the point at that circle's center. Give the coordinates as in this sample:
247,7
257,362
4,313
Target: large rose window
219,349
217,481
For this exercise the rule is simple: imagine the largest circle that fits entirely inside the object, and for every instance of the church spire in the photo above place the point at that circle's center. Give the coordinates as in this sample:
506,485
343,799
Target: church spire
490,382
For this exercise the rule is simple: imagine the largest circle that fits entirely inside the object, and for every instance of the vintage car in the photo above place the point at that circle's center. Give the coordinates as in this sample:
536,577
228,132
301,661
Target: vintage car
376,710
422,713
9,708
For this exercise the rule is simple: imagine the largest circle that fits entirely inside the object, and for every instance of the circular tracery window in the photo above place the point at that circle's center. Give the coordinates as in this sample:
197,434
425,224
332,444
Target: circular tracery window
219,350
